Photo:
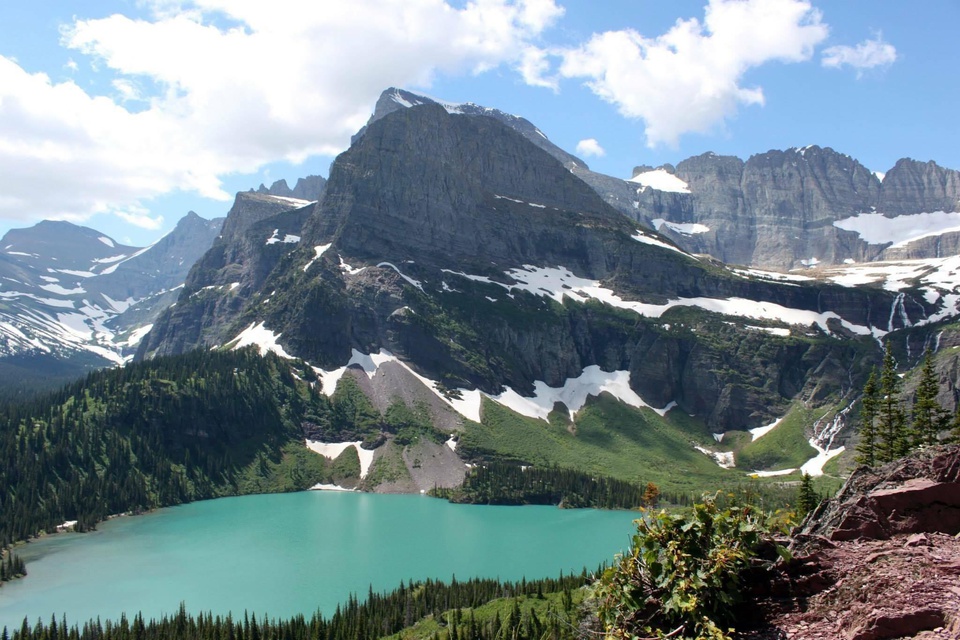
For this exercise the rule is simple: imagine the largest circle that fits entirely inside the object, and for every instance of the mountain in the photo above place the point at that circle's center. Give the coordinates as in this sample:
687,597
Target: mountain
73,299
778,210
458,269
802,207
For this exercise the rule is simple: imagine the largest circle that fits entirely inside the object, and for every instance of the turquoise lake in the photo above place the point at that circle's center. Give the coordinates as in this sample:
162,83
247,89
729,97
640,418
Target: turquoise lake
297,553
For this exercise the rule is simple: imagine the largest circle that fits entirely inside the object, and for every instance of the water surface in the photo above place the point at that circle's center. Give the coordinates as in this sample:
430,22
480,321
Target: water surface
297,553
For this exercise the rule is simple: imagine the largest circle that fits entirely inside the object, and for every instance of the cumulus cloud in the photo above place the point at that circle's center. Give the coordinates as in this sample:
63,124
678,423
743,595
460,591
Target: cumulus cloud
590,147
868,54
689,79
226,86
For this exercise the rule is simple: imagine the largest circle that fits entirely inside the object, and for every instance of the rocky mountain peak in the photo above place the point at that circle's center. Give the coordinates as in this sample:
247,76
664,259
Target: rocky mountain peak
912,187
249,208
394,99
309,188
425,181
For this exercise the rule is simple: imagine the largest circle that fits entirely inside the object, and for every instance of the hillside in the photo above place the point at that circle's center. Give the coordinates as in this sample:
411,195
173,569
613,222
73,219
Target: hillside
454,263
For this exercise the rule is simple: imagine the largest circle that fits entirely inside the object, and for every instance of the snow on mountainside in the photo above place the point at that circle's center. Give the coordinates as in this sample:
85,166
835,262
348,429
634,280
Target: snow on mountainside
70,291
660,180
875,228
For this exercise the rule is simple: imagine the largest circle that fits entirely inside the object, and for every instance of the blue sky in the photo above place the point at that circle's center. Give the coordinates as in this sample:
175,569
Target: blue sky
124,114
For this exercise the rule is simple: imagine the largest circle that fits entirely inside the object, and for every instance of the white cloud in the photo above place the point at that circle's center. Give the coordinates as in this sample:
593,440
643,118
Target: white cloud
689,79
140,217
590,147
226,86
866,55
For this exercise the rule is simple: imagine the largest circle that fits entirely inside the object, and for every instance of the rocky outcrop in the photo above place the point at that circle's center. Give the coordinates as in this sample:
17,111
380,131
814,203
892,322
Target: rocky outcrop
915,187
260,230
918,494
881,560
310,188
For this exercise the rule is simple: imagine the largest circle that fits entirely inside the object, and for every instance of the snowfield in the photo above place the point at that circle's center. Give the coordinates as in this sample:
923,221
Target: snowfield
660,180
876,228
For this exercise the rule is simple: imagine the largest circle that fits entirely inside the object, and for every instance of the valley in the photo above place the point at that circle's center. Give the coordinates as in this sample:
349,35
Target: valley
464,310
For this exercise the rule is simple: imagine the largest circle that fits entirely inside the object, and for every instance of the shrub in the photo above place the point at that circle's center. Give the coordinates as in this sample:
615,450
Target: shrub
681,577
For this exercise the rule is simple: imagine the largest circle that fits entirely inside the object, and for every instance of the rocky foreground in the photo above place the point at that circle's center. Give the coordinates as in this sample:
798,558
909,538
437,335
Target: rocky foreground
880,560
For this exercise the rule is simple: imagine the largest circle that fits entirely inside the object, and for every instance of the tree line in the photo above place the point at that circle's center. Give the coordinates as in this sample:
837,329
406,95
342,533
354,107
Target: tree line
151,434
887,429
513,484
452,606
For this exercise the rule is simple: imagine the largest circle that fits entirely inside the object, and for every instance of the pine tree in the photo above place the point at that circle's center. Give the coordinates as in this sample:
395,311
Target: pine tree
927,414
893,439
867,447
807,498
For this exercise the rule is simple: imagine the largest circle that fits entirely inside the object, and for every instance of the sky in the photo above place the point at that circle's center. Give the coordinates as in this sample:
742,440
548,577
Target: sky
123,115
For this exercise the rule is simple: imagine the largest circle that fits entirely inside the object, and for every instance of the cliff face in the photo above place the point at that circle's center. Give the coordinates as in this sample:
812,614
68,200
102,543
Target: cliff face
787,209
777,210
479,259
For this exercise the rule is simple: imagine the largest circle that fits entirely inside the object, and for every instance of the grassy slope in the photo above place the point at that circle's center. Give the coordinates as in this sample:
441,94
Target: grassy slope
784,447
608,438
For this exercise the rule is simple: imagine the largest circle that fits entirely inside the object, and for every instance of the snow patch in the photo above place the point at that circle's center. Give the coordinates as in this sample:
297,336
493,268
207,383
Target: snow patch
334,449
771,474
55,288
772,275
107,241
318,251
814,466
660,180
559,282
265,340
296,202
415,283
287,238
452,443
574,393
724,459
686,228
762,431
137,335
645,239
876,228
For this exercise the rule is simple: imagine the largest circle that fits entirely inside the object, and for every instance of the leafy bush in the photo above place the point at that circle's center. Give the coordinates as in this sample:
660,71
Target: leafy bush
681,577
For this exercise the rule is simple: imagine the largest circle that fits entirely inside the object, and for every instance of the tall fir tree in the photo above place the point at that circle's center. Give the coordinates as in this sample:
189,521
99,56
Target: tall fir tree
807,498
867,447
893,440
927,416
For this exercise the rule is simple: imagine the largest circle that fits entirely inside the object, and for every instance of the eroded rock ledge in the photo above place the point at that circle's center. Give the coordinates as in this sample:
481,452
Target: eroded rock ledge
879,561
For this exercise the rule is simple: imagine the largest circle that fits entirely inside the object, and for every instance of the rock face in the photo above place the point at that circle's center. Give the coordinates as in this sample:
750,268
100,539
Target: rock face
918,494
310,188
880,560
776,210
452,241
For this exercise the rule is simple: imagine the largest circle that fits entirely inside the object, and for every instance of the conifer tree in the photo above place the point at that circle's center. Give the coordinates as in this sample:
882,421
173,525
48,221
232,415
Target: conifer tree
893,439
867,447
807,499
927,416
